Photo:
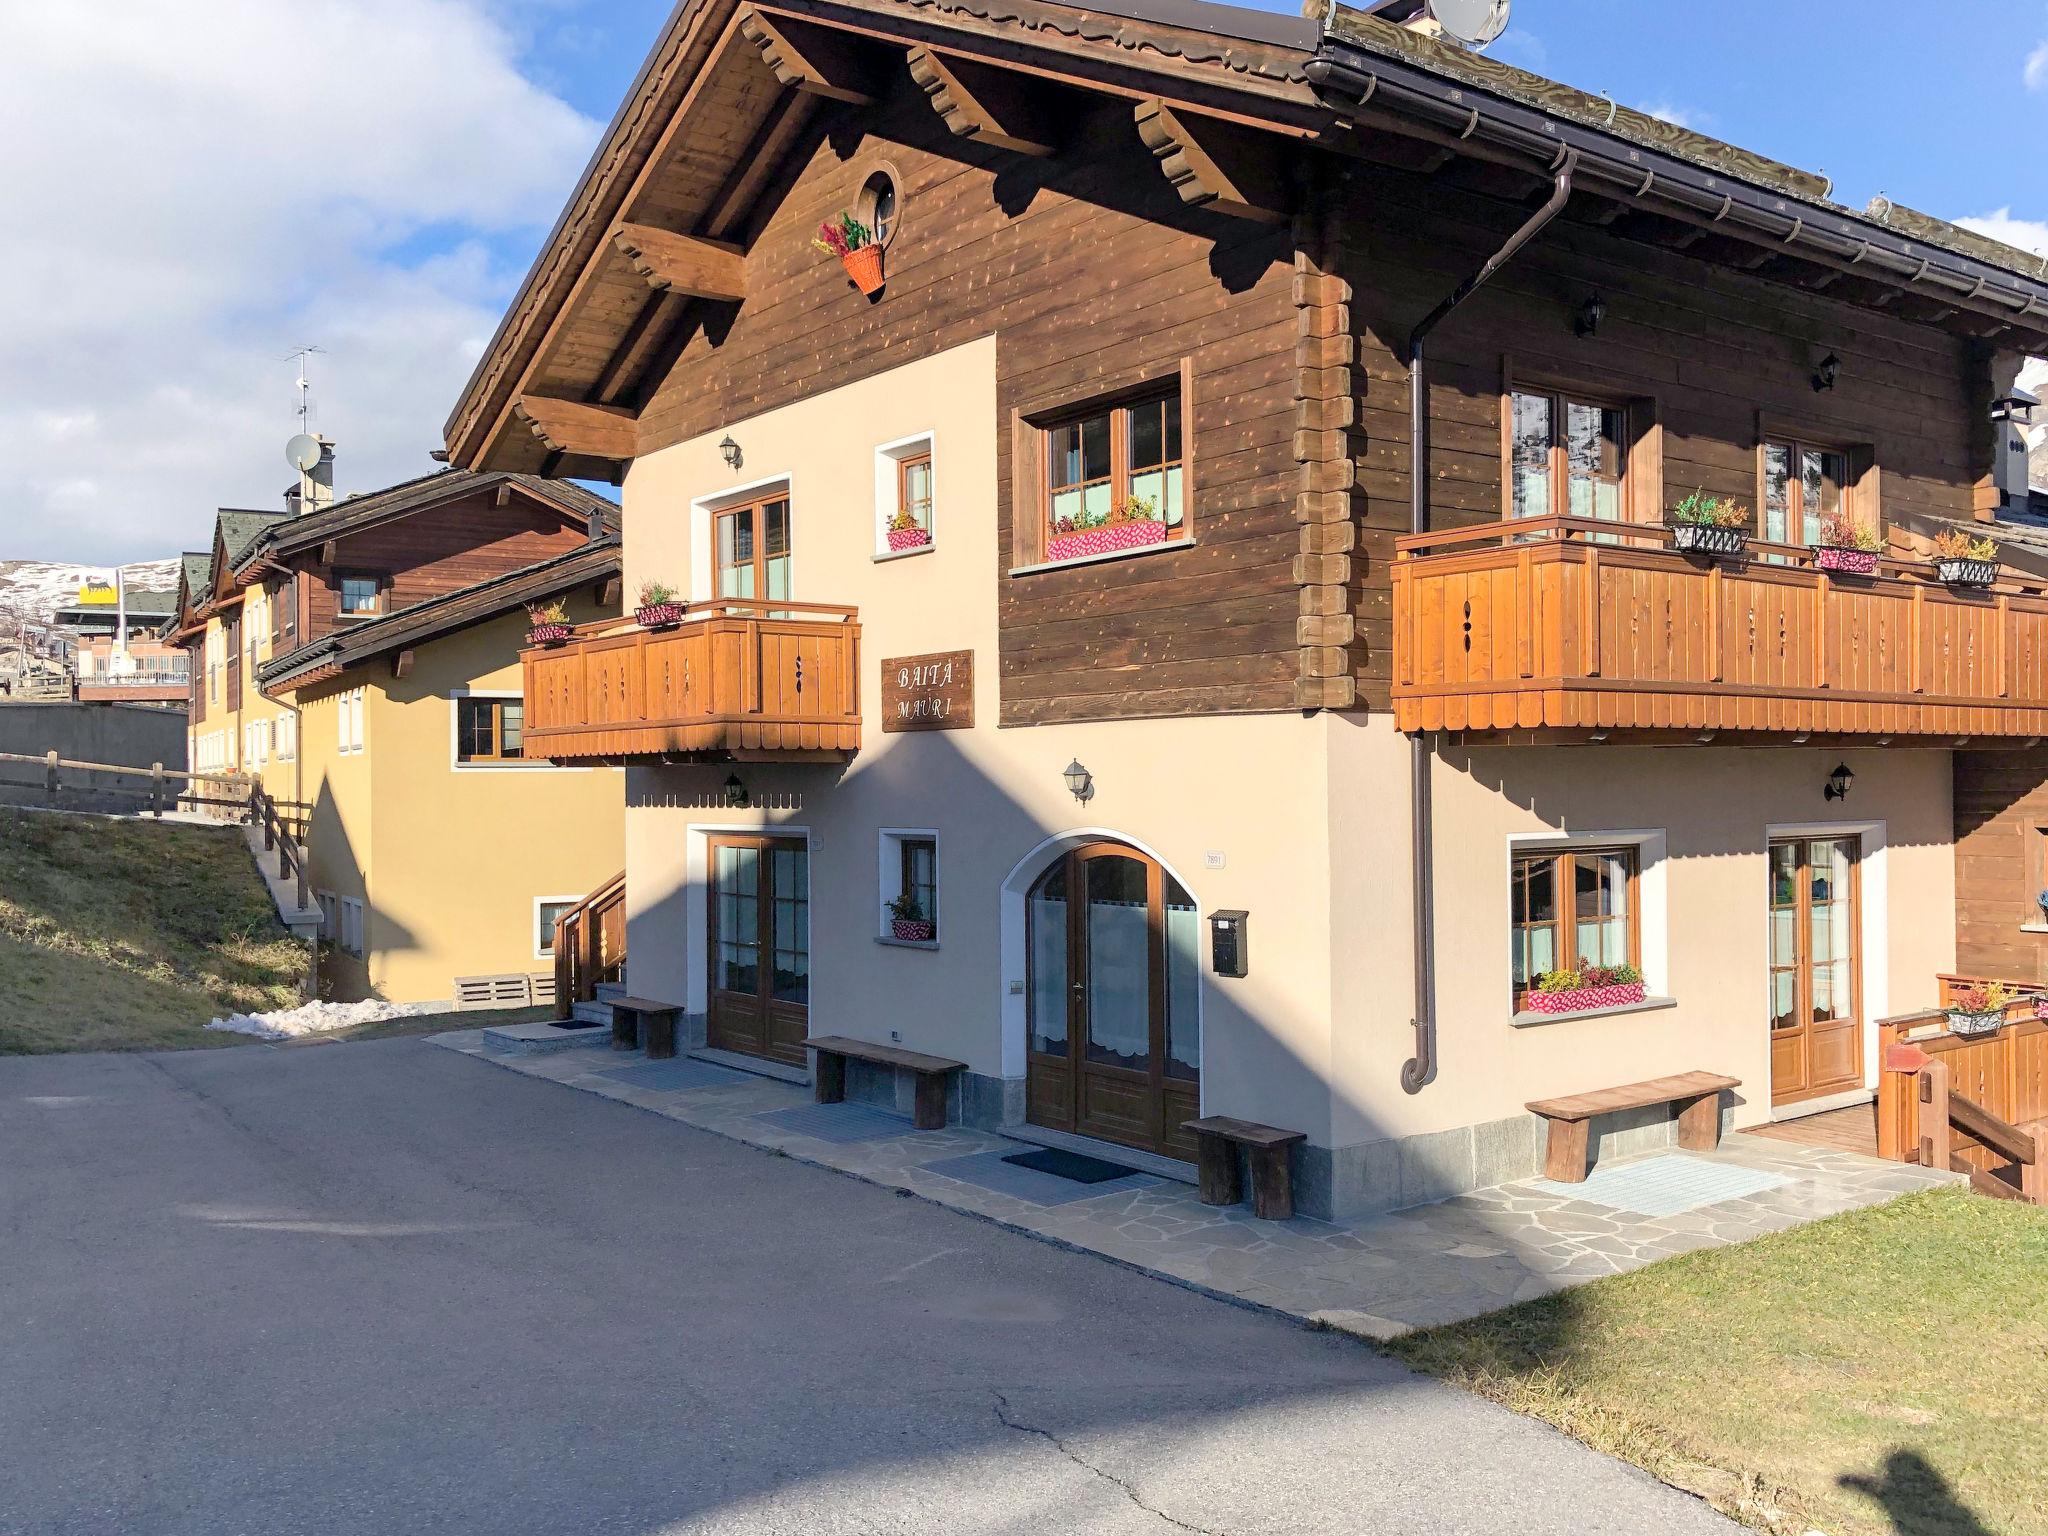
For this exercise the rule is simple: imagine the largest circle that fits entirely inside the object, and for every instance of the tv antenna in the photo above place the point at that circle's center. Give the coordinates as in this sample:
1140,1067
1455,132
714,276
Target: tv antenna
305,388
1472,23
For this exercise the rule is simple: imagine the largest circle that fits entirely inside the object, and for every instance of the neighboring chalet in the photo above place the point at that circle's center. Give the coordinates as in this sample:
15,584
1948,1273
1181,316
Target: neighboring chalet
117,653
360,658
1088,673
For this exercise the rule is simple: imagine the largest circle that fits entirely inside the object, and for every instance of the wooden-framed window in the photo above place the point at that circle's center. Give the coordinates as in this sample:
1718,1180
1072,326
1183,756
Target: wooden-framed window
1803,486
490,730
1573,907
348,718
1568,455
918,868
1112,475
547,912
360,597
750,549
914,491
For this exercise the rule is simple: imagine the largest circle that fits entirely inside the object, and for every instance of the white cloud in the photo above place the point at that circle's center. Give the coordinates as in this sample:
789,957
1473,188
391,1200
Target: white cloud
2035,71
2000,224
195,189
1681,117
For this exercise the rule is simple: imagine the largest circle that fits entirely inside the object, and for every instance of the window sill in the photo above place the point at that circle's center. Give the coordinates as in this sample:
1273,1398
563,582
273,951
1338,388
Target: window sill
1529,1020
2034,927
1165,546
883,938
905,554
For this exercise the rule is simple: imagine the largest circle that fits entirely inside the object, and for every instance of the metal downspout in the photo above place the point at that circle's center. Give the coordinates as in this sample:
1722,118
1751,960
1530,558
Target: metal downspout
1419,1068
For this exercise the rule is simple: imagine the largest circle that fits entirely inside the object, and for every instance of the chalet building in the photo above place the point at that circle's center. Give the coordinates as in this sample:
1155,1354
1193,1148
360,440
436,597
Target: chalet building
1192,622
360,659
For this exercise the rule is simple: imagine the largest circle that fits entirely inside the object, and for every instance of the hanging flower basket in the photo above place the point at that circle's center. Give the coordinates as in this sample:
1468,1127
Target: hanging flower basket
658,615
1846,562
547,634
1707,539
2041,1006
1618,994
1967,573
864,266
1970,1024
1104,540
911,930
901,539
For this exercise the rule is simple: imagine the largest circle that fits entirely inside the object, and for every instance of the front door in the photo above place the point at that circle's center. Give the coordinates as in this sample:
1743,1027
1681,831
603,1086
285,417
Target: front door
760,929
1115,972
1816,1006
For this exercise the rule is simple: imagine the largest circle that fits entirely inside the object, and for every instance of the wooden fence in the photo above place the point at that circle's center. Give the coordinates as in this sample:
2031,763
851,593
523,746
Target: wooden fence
152,786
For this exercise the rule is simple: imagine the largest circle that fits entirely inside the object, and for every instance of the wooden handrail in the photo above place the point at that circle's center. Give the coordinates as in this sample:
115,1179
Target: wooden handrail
48,759
722,608
1944,1116
579,940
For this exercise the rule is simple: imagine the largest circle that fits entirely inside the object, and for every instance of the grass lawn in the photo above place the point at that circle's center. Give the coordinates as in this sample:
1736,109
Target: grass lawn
1880,1372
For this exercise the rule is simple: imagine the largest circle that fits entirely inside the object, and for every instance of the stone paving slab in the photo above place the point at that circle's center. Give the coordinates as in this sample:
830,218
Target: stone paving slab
1378,1276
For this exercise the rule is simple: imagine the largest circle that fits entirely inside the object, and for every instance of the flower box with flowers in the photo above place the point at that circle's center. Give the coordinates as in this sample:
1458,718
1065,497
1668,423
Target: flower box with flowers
1709,525
547,624
1846,547
907,535
910,930
1131,524
1580,991
658,608
1980,1009
1963,561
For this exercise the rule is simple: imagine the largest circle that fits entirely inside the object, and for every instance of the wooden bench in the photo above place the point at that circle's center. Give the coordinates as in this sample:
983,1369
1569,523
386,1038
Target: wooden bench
931,1073
1697,1095
636,1017
1217,1138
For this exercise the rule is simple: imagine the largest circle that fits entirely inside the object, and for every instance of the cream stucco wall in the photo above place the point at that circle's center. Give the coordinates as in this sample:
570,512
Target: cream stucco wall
281,777
449,858
1247,790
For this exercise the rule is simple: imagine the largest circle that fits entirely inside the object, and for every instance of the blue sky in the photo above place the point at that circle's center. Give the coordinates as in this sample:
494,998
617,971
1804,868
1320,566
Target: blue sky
144,382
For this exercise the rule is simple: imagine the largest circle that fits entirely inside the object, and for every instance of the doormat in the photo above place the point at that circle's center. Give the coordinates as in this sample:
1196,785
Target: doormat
1069,1165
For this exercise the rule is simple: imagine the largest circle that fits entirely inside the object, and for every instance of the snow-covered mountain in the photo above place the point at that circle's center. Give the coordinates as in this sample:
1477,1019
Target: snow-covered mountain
42,586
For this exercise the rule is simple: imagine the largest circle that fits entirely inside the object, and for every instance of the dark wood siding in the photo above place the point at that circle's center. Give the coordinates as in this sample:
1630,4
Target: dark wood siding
2001,832
1710,346
1092,275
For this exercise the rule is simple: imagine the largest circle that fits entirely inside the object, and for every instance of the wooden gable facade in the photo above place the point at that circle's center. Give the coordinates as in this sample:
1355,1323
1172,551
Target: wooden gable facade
1180,192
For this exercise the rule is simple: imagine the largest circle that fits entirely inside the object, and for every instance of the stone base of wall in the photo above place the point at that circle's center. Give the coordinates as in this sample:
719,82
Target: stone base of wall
973,1099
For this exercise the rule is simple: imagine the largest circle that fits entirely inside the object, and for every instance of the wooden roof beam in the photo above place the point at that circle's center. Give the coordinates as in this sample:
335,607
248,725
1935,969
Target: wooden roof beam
816,60
987,105
1216,165
684,264
578,429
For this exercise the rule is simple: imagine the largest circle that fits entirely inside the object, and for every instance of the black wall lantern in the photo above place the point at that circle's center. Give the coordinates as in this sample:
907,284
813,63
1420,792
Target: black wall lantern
1824,374
730,452
735,792
1591,313
1079,781
1838,783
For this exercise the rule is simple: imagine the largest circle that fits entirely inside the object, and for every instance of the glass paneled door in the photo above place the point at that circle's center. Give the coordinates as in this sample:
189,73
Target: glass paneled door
760,930
1816,1004
1115,961
750,551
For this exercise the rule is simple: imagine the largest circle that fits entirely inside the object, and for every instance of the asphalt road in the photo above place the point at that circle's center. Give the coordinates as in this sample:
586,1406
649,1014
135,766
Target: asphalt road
383,1288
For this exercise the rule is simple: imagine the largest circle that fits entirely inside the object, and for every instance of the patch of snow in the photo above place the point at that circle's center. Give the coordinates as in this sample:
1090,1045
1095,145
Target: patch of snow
315,1018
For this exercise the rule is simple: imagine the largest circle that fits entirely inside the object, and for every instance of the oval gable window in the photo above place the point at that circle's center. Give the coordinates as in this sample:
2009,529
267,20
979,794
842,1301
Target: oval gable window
879,205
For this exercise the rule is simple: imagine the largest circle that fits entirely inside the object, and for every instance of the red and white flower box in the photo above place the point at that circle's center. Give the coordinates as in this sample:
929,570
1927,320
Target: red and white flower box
911,930
1849,562
1619,994
658,615
1104,540
547,634
901,539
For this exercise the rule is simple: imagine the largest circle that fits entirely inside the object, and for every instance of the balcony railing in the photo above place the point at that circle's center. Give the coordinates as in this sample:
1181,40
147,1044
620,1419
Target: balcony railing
735,679
1577,629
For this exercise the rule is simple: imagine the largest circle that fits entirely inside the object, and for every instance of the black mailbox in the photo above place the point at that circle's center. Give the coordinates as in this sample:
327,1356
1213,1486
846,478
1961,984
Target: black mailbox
1227,942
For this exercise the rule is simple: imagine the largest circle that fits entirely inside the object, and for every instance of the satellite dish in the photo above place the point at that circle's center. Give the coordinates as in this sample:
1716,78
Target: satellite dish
303,453
1475,23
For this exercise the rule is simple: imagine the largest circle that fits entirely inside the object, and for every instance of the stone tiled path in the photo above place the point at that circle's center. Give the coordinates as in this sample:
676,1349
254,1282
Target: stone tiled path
1380,1276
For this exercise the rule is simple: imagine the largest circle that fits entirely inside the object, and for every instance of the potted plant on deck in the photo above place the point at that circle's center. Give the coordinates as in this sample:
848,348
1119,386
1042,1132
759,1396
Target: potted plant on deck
853,243
1961,561
547,623
1130,524
1846,546
1979,1009
1589,986
907,921
1709,525
906,532
658,608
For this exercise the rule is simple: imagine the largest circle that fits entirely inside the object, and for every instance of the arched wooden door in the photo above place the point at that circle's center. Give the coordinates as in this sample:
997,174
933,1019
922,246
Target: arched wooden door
1115,1047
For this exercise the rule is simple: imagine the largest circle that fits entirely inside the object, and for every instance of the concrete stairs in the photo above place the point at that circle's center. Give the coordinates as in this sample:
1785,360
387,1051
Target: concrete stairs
304,922
599,1010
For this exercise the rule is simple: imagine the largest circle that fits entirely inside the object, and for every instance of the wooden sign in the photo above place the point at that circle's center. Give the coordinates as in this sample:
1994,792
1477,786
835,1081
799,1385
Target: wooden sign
928,693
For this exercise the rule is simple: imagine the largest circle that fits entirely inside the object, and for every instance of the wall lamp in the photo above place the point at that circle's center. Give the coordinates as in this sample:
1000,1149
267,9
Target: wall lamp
1591,313
736,793
1824,375
730,452
1838,783
1080,781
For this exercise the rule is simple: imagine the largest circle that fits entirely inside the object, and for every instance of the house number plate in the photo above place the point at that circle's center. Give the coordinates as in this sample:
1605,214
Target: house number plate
928,693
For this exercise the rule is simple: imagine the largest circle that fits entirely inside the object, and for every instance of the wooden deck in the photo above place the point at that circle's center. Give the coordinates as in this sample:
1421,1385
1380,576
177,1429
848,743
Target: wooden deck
1841,1130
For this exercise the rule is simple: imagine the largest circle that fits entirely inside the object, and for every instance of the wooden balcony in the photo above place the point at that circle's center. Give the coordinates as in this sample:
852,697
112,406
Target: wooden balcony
738,680
1558,629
